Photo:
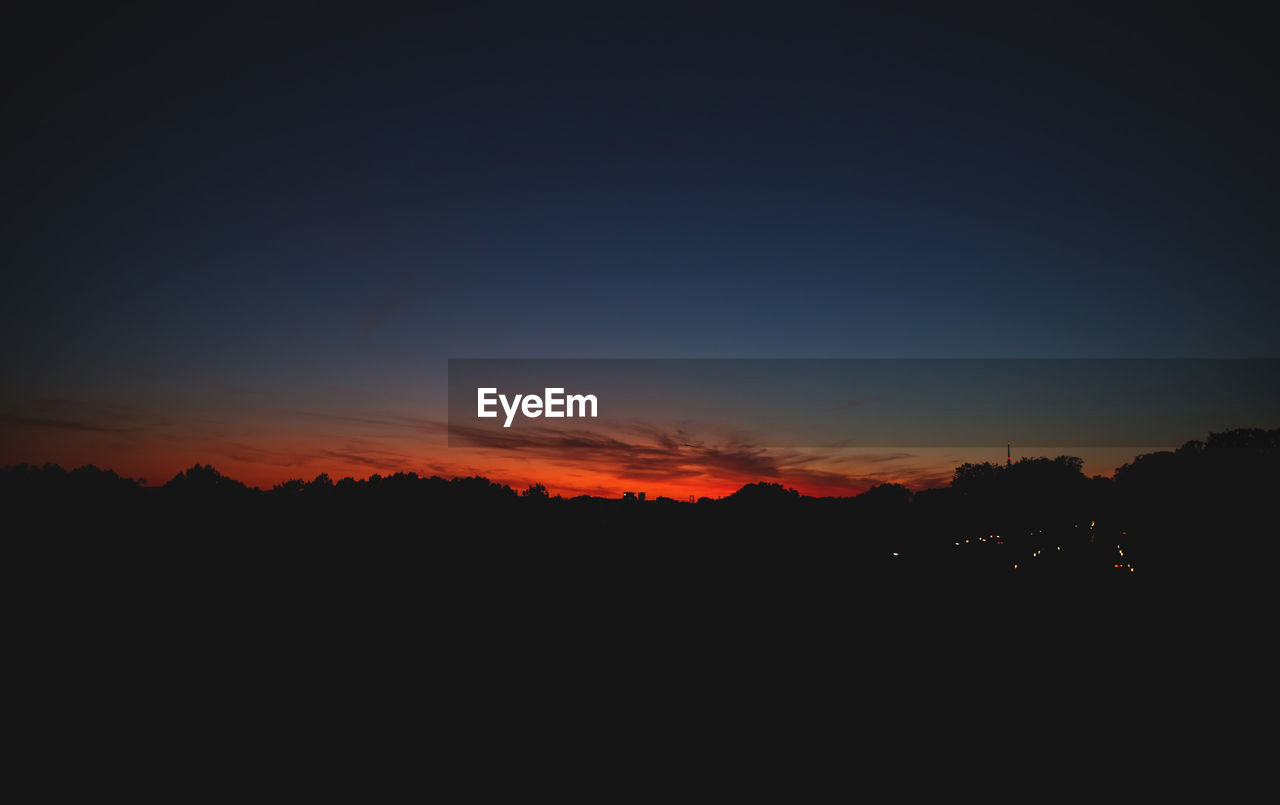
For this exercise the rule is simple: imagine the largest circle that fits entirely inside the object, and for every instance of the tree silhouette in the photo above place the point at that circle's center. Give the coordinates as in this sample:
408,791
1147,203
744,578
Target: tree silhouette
1172,511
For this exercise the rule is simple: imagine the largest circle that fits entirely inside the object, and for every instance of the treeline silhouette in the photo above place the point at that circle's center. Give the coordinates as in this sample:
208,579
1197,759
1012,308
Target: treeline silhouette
1189,508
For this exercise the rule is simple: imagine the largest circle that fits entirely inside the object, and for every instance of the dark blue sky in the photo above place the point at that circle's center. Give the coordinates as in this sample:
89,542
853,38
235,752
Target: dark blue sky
337,203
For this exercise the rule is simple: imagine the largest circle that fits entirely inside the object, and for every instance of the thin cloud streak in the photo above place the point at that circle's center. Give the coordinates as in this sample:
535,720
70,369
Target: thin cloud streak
856,402
65,424
672,459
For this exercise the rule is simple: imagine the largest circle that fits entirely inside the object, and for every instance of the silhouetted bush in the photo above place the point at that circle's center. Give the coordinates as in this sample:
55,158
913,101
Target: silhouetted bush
1167,510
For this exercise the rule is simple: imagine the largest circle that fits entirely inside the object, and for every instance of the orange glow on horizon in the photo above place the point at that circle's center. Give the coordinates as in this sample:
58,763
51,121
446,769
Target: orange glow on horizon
156,464
266,451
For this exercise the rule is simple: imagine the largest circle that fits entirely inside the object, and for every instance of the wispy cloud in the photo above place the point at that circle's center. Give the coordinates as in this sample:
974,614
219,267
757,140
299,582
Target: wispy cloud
65,424
380,420
856,402
380,313
669,457
84,415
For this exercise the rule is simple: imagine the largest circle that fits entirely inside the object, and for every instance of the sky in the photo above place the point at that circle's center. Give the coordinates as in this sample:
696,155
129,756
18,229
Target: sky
253,236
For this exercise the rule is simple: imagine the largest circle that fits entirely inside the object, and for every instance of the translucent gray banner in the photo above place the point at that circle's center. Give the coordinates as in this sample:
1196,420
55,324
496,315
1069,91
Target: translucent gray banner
577,403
